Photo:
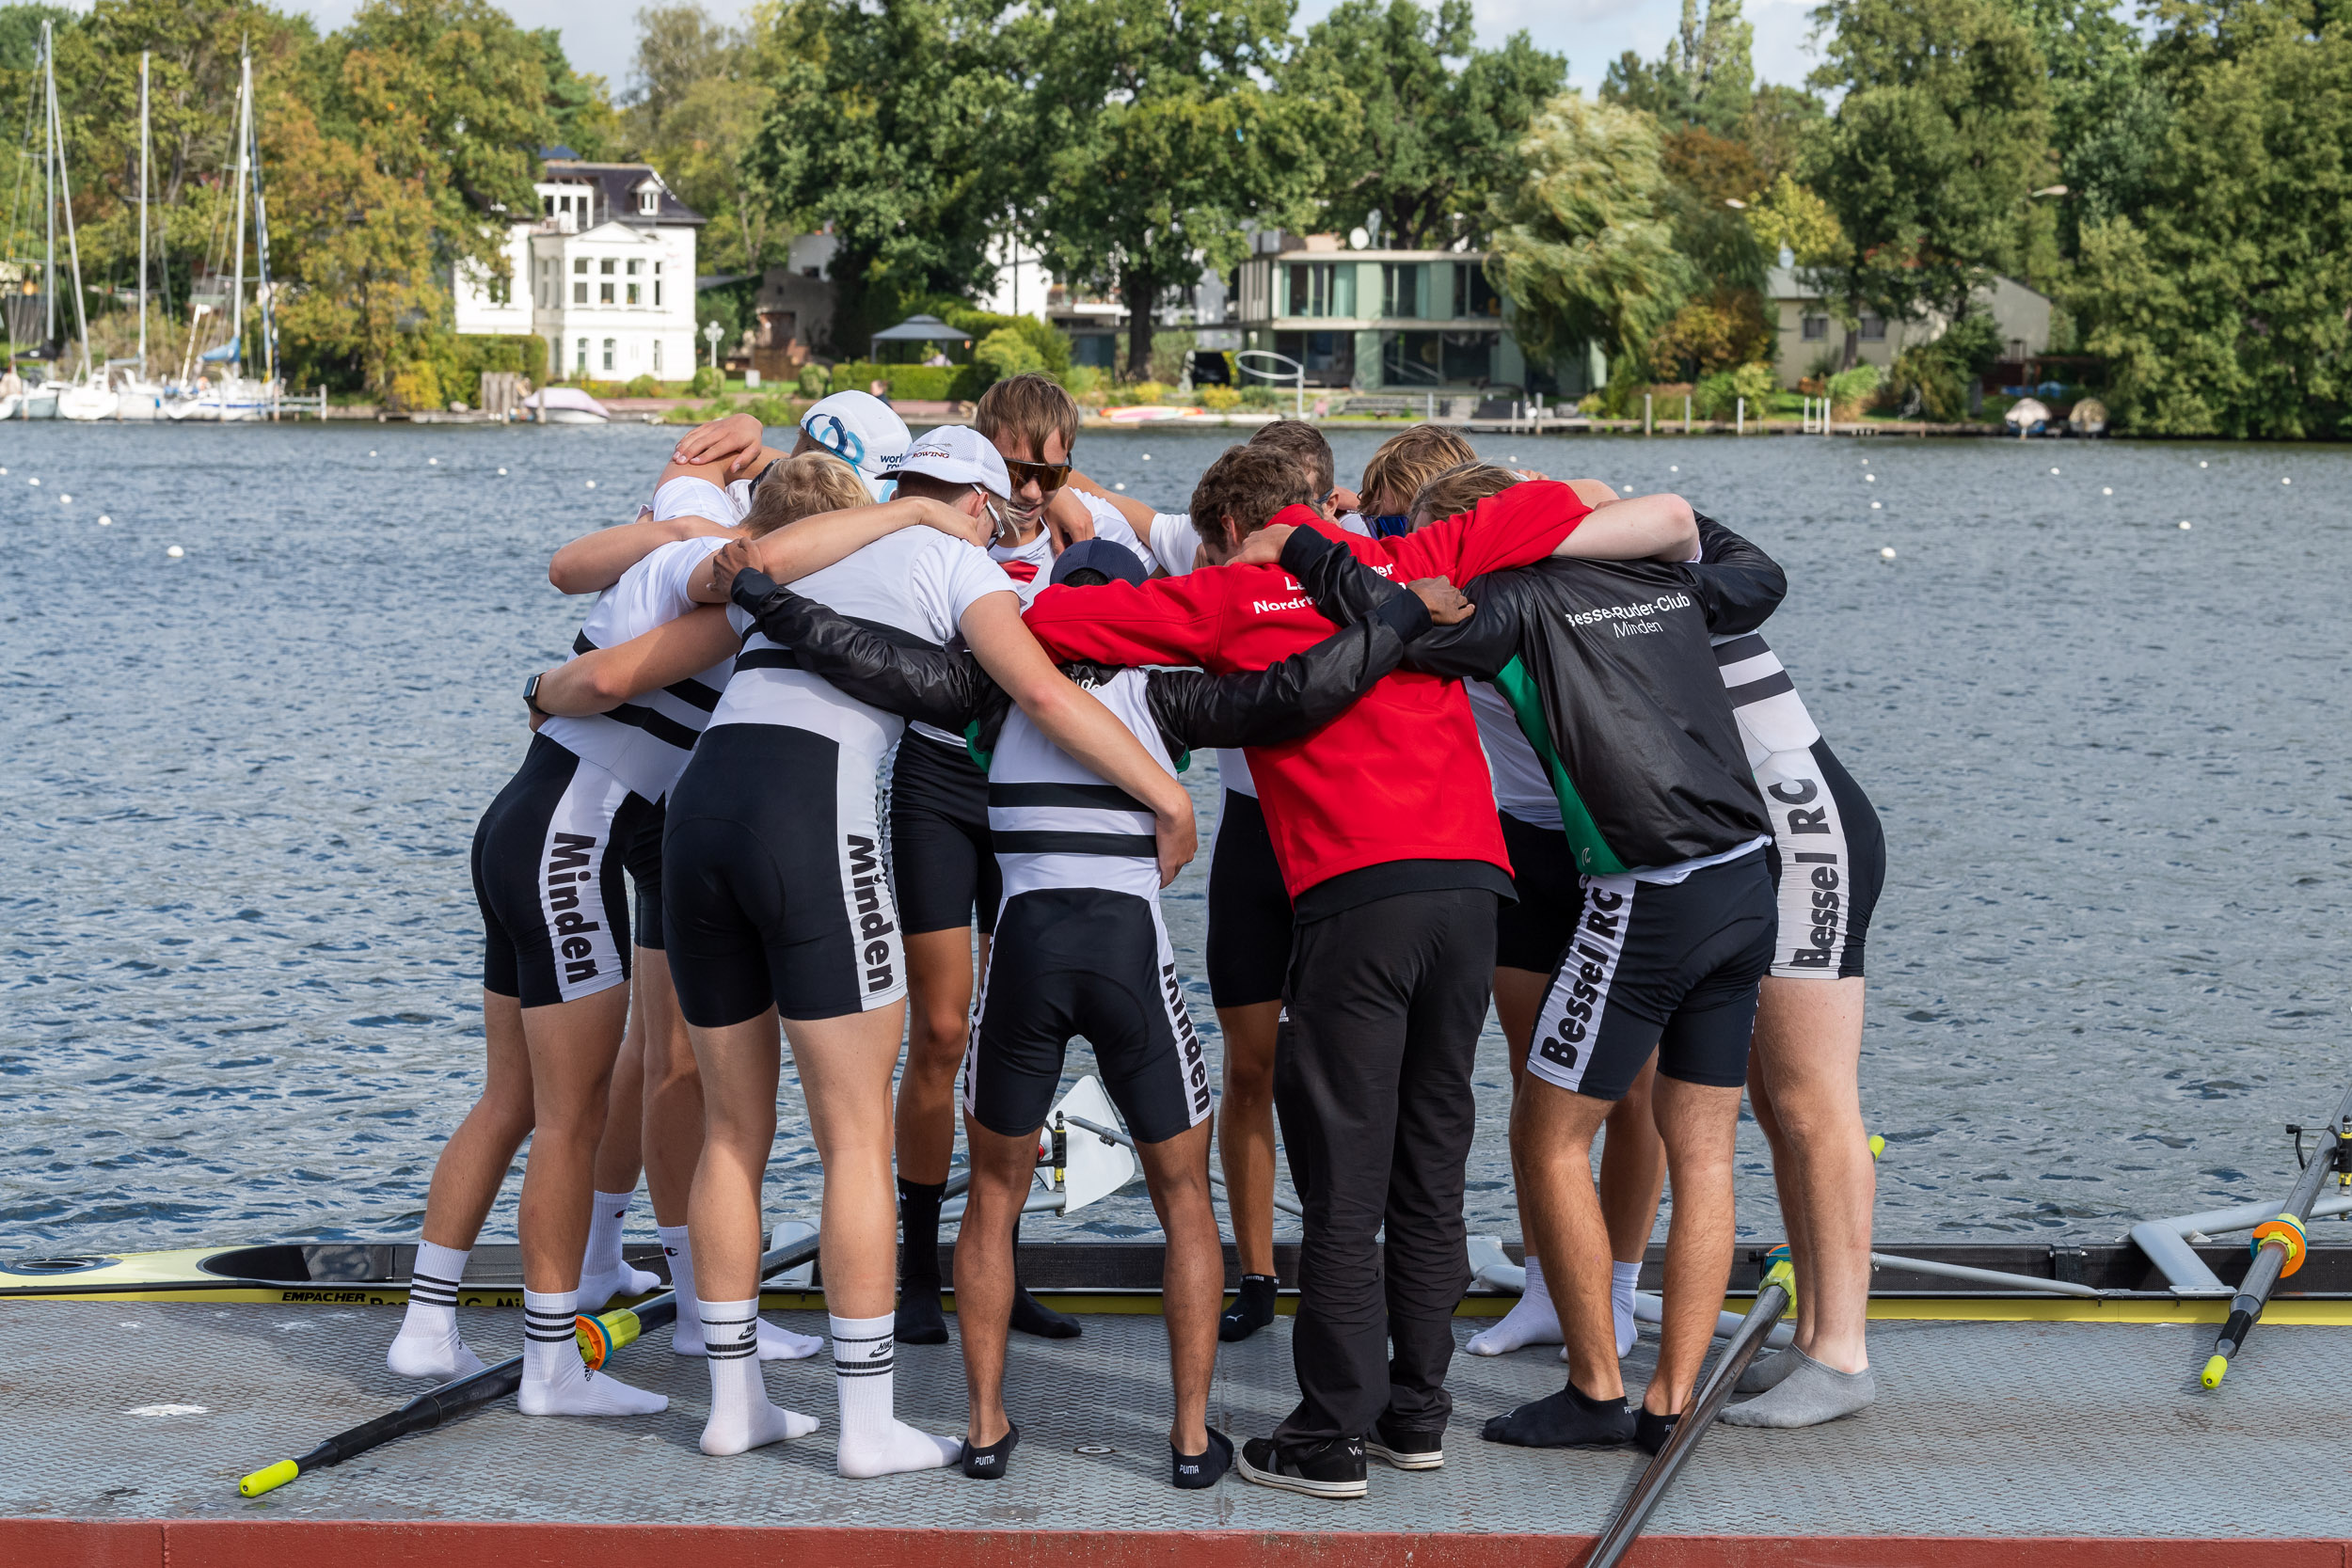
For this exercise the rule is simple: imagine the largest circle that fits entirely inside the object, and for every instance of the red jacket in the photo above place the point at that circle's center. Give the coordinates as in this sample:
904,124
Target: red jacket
1399,776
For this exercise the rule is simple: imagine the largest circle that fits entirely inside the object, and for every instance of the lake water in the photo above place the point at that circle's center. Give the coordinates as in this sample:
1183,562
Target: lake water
241,968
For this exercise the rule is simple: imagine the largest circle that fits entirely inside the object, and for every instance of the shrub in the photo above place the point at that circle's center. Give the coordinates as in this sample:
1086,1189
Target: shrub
814,381
644,387
416,387
1850,392
1928,383
1169,353
857,375
1718,396
1004,354
1082,382
1220,398
1052,348
708,382
1258,394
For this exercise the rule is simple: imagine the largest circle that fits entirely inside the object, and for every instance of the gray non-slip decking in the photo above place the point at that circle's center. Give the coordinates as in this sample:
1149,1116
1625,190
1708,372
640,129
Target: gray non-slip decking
1983,1430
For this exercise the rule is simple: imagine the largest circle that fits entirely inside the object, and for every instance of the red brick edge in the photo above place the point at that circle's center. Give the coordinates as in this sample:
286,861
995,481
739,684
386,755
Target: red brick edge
380,1544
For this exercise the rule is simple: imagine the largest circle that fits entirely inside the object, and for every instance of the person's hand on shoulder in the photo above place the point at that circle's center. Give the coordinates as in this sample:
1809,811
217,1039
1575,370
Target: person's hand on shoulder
1444,602
717,580
734,440
1263,547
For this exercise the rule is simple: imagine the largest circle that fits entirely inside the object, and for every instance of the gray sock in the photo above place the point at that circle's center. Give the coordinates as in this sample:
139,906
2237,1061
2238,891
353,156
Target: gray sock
1766,1371
1810,1394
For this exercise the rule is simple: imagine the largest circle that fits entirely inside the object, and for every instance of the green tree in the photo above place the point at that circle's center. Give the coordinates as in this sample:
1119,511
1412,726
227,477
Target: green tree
579,106
1159,145
1579,246
1440,118
1931,158
698,110
897,125
1705,76
2221,297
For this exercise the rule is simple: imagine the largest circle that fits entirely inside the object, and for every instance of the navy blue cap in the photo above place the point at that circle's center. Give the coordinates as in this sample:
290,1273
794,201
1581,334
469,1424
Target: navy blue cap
1114,561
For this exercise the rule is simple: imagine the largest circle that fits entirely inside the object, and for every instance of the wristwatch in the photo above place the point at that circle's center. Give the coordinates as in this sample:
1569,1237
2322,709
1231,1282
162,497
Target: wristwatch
530,695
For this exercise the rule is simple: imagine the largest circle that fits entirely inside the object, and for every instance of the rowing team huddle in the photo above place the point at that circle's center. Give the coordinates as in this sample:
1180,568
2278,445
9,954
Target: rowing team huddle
1501,729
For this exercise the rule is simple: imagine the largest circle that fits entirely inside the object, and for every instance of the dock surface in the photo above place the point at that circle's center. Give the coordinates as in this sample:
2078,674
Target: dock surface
129,1423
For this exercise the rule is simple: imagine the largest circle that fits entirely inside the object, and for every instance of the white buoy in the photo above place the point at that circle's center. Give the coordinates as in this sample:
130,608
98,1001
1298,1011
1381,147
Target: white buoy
501,473
2105,490
1674,468
175,552
105,521
3,470
1874,506
2054,470
2201,461
1118,486
1869,479
64,499
2286,481
2184,521
1886,552
32,481
1146,457
431,462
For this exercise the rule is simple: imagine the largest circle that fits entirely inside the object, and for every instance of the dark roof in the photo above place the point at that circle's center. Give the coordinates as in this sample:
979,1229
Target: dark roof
616,192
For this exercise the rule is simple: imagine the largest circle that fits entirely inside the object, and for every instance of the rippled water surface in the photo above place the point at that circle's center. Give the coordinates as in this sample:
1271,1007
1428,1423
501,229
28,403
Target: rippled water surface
241,981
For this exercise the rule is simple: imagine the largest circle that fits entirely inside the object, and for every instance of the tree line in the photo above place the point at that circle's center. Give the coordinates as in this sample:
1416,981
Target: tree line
2177,183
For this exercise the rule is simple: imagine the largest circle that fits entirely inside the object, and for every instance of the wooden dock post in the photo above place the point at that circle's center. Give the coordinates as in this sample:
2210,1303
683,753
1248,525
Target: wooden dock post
1645,419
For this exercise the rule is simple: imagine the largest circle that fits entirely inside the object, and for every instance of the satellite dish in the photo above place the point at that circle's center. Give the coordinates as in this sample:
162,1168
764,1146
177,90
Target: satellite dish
1357,239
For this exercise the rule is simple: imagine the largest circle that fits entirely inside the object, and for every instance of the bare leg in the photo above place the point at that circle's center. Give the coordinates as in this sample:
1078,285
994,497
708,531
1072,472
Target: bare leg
1551,1153
474,1163
572,1046
1700,1124
619,1151
1002,1170
939,990
673,1096
1807,1065
1632,1169
1192,1279
1245,1133
1518,995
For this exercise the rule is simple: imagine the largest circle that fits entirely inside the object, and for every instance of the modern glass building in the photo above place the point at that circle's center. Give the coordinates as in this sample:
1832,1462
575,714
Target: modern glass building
1379,321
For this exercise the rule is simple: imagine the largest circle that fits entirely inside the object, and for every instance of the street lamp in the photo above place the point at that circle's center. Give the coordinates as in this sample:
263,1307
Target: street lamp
711,336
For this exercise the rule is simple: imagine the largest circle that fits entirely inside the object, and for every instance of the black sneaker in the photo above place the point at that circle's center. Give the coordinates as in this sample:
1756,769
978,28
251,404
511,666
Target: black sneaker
1651,1433
1404,1449
1332,1469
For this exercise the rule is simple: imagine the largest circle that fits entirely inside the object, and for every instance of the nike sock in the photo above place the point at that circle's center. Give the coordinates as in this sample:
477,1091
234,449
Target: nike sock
687,1339
603,1272
1252,1308
555,1381
427,1344
741,1416
1622,1279
874,1442
1531,1320
919,1320
1810,1394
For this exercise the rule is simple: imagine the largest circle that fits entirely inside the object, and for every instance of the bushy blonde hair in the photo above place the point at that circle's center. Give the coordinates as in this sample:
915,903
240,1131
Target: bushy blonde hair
803,486
1457,489
1411,459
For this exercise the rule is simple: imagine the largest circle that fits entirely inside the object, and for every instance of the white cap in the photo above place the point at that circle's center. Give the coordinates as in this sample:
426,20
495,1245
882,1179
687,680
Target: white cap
959,454
862,431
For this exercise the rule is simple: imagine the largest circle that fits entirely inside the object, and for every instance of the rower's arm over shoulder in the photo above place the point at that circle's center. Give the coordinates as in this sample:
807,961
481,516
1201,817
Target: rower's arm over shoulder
594,562
1738,585
1296,696
1641,527
604,678
932,684
1348,591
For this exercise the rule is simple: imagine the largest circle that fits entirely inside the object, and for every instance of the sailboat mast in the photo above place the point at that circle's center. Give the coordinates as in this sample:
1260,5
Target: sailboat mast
143,54
245,150
65,194
49,199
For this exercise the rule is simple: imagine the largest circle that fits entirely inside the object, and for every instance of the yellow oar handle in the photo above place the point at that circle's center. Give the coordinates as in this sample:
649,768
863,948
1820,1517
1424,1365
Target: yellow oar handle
1781,1270
1878,1145
2211,1376
600,1337
268,1479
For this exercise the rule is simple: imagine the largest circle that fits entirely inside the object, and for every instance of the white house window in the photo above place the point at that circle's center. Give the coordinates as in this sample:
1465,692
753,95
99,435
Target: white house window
649,202
607,353
656,357
1816,329
632,293
580,294
605,267
579,263
656,293
1874,329
581,363
633,266
604,292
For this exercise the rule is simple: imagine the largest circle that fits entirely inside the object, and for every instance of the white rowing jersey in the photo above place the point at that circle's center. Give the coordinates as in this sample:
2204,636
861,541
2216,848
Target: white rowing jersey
688,497
1054,823
1522,787
645,741
912,586
1175,549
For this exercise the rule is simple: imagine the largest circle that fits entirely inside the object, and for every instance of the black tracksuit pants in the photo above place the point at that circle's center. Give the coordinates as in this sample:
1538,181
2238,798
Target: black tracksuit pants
1373,1086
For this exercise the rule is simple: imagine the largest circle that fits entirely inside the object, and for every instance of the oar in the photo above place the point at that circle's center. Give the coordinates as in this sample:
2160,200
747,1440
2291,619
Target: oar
2278,1243
1771,1300
598,1338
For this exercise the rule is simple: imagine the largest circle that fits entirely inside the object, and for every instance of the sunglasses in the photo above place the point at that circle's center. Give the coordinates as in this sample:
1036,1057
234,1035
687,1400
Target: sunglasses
1047,476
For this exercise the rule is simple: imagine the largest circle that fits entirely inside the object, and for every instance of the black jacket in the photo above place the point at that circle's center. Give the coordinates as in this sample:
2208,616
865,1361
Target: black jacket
1194,709
1609,669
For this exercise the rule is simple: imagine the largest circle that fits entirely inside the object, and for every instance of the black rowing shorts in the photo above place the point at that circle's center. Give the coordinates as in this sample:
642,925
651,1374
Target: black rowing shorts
1530,932
773,891
1250,909
941,859
547,858
1670,967
1825,830
1071,961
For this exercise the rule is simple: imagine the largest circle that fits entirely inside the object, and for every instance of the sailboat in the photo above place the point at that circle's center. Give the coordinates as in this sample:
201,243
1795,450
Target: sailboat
137,396
236,397
83,397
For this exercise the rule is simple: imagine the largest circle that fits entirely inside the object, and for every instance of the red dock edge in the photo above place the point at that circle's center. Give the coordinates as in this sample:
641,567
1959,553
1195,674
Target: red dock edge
377,1543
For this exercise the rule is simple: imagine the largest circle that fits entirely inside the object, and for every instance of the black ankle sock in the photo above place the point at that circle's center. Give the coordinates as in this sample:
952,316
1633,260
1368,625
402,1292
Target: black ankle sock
1194,1472
989,1463
919,1320
1032,1315
1650,1432
1564,1421
1252,1308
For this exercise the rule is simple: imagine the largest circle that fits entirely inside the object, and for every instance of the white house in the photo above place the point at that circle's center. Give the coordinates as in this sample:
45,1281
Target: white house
1809,334
605,274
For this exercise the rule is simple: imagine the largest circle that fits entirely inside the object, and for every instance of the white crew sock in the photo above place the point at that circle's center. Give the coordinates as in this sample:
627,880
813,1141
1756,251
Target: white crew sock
742,1416
1531,1320
603,1272
555,1381
874,1442
1622,1279
775,1344
427,1344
